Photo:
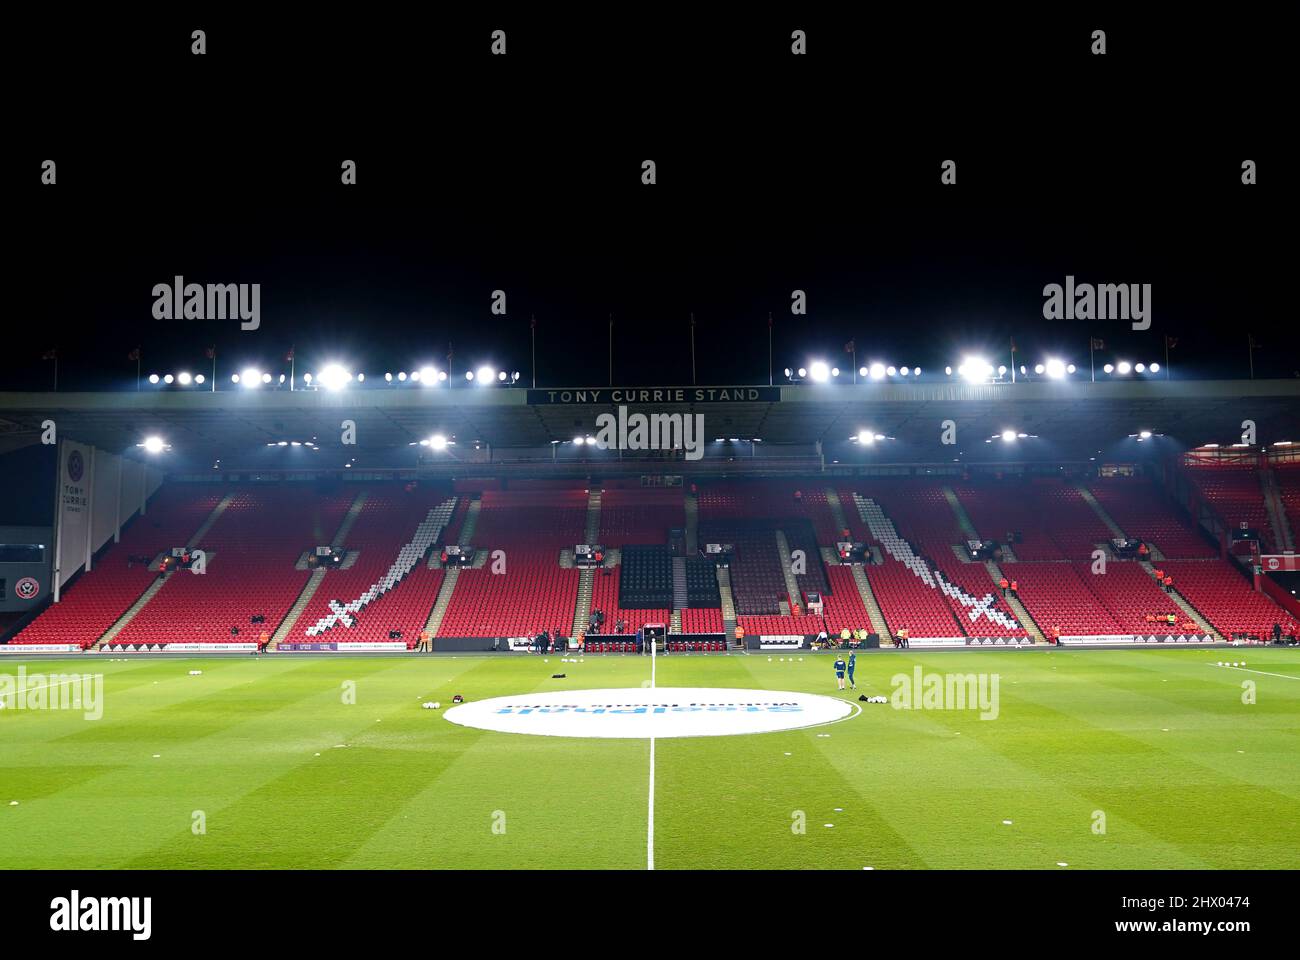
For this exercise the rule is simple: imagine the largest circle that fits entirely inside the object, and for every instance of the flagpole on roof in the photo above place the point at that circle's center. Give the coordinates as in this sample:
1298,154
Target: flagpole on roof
1092,364
532,324
692,349
770,380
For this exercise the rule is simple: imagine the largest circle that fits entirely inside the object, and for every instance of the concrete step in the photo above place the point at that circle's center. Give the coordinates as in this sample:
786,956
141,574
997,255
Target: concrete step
213,517
963,518
874,613
291,618
443,601
1100,511
728,602
593,517
783,553
961,553
675,626
679,583
1184,604
1017,608
692,524
120,624
582,605
837,509
152,590
350,518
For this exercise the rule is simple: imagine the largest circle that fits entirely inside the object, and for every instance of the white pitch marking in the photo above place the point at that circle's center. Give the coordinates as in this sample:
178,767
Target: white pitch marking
650,817
1284,676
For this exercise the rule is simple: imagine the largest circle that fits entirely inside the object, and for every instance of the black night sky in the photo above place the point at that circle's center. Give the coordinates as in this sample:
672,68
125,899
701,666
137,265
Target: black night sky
772,177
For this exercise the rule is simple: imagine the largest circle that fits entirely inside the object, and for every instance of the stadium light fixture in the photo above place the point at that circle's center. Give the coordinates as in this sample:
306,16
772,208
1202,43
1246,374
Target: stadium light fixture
168,379
266,378
1123,367
388,377
1055,368
469,374
153,378
976,369
401,376
333,377
1109,368
1008,435
485,375
1144,435
877,371
198,378
1154,368
184,378
1141,368
501,375
904,371
306,378
803,372
863,371
820,371
948,371
251,377
865,436
153,445
438,442
1069,368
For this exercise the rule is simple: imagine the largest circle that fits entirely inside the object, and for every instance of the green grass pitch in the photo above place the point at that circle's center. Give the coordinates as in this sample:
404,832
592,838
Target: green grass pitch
287,775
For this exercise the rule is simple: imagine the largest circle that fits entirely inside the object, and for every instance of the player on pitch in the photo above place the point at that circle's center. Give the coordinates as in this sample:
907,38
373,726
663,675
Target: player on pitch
853,663
839,671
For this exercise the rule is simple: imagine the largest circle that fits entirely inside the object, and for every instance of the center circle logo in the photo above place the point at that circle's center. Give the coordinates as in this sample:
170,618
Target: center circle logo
641,713
76,466
26,588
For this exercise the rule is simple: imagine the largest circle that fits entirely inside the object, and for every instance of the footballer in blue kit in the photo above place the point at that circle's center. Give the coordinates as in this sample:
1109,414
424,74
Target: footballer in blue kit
839,671
853,663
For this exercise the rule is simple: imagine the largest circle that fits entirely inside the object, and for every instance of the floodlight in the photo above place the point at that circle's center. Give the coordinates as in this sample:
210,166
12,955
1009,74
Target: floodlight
168,378
153,444
1008,435
153,378
334,377
820,371
184,379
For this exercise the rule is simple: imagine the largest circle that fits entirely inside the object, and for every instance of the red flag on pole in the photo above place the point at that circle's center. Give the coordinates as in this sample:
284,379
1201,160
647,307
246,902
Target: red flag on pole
211,352
134,354
851,347
1098,343
1171,342
51,354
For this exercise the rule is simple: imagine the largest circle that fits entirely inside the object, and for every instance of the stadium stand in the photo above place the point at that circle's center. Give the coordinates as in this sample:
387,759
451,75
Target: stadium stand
1226,597
1233,490
1144,512
94,601
387,524
252,549
531,526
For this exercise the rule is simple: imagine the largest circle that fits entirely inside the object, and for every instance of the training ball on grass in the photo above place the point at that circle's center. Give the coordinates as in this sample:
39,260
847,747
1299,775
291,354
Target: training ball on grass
195,673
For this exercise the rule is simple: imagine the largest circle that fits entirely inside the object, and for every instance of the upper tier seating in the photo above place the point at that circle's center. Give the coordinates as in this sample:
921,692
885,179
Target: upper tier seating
1144,512
1234,491
640,516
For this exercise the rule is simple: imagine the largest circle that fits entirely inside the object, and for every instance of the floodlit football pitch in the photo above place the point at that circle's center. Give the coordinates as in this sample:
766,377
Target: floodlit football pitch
1067,760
